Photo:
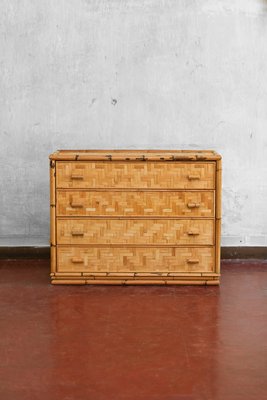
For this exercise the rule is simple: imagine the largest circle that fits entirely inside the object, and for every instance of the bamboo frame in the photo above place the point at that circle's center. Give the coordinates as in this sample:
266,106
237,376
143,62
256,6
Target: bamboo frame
218,215
141,276
133,282
53,215
135,155
68,282
83,276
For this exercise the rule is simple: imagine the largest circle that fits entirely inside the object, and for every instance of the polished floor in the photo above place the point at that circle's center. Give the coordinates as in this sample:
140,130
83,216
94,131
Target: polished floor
132,343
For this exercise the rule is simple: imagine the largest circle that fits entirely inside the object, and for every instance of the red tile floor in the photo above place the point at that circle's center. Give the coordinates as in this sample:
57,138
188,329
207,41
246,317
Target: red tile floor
132,343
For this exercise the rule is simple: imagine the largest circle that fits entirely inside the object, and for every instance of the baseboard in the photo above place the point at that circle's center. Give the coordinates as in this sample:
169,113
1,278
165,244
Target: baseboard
44,252
244,252
25,252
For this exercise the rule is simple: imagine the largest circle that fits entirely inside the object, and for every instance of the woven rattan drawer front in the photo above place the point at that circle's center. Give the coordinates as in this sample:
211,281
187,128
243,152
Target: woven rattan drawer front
135,231
135,259
158,175
135,204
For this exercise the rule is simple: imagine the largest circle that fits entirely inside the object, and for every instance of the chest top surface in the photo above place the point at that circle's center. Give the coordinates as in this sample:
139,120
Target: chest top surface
135,155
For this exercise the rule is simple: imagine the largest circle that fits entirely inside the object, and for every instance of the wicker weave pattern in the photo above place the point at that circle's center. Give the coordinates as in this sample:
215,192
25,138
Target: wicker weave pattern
163,204
159,175
134,231
135,217
116,259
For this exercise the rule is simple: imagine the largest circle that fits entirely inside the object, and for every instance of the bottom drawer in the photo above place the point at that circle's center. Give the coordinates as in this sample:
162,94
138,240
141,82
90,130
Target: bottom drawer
135,259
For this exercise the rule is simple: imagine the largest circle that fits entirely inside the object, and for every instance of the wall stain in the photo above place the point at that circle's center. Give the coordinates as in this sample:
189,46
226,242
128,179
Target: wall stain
114,102
93,101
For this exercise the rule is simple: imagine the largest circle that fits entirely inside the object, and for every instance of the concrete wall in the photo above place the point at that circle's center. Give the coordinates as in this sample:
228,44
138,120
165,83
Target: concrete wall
132,74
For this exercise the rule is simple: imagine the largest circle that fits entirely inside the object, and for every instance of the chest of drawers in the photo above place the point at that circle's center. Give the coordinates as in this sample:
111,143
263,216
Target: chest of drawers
135,217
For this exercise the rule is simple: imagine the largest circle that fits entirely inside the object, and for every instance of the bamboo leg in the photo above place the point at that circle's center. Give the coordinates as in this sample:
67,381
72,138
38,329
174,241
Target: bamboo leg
218,215
53,215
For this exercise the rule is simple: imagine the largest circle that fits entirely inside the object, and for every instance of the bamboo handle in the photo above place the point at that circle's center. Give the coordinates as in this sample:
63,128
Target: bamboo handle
193,261
193,205
193,233
77,233
193,177
76,176
76,205
77,260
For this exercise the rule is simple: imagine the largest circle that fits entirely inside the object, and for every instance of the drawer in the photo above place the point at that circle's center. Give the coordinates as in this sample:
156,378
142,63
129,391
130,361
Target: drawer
143,175
135,231
135,204
135,259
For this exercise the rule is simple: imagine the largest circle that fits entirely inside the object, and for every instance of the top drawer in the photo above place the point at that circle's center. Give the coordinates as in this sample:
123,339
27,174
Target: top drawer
142,175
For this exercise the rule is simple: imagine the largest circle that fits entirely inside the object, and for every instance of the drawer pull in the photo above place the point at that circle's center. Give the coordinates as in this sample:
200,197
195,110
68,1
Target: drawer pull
76,205
76,260
193,205
193,177
192,261
193,233
77,233
76,176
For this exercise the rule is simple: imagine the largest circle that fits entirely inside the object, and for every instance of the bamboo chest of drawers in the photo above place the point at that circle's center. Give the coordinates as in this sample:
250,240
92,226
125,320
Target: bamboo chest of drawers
135,217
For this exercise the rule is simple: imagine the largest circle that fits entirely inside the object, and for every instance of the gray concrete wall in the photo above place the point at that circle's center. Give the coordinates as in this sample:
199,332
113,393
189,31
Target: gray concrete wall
132,74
